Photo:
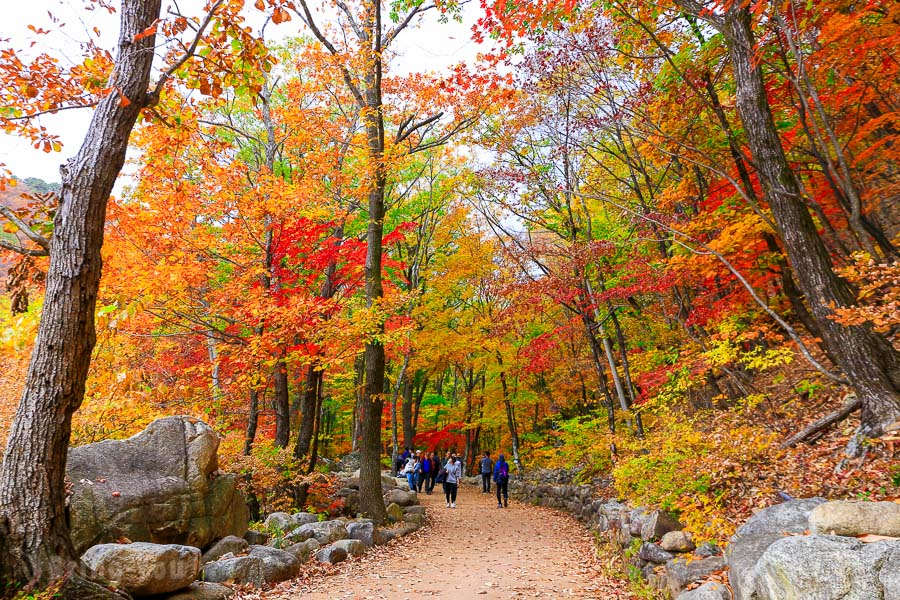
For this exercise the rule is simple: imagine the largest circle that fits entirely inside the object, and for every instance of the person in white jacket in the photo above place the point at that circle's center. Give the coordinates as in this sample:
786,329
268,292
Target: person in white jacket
451,485
409,470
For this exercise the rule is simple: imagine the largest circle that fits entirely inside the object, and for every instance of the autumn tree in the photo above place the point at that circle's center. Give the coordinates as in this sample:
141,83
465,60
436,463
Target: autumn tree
36,549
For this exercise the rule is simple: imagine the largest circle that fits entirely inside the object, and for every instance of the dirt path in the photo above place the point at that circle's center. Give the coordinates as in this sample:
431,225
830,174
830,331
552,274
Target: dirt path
473,551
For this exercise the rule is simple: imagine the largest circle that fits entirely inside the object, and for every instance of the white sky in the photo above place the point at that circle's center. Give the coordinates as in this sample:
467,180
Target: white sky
431,46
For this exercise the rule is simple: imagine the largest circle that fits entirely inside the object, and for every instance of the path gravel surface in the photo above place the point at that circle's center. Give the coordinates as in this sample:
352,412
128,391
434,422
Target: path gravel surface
471,552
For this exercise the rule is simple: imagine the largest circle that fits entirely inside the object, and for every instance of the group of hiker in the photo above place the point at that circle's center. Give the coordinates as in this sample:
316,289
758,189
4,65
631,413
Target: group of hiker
424,470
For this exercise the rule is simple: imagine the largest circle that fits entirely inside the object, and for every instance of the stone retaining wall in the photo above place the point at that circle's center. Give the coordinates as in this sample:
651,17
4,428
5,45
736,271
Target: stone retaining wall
805,548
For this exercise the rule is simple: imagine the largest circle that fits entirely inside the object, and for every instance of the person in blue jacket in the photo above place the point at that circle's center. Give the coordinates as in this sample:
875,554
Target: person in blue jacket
424,473
501,478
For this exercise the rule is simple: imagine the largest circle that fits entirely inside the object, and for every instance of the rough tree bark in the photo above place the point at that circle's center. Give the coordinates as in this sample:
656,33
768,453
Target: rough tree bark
868,360
371,502
281,402
35,548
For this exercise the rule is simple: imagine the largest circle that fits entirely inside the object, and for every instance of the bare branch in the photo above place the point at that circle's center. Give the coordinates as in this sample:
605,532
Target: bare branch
405,130
50,111
306,17
21,250
35,237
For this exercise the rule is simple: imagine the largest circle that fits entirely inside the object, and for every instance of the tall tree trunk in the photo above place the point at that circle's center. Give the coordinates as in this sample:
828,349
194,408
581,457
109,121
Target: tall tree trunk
407,413
869,362
359,380
417,405
308,412
35,546
371,502
281,402
314,453
602,382
510,417
252,421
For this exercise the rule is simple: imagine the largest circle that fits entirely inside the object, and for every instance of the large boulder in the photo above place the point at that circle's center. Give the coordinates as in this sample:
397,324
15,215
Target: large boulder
324,532
277,565
788,517
144,569
843,517
157,486
235,569
890,575
760,531
823,568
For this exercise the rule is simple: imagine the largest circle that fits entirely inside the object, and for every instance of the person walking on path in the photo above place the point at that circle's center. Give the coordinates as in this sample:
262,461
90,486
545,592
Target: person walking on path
487,467
435,469
409,471
501,478
454,472
424,473
401,461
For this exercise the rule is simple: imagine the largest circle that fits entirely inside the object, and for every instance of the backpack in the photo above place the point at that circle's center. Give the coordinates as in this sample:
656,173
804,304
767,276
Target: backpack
503,472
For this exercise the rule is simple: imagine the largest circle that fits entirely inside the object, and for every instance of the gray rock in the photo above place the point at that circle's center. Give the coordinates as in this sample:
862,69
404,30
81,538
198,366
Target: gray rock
760,531
143,569
256,538
277,565
677,541
230,543
843,517
788,517
707,549
157,486
239,569
304,518
324,532
401,498
394,512
636,520
820,567
658,523
742,554
201,590
412,518
653,553
304,550
681,572
331,554
351,547
890,575
281,521
414,510
366,532
707,591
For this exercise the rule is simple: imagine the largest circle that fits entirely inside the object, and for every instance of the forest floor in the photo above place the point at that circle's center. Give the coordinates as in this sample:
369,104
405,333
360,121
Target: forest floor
473,551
